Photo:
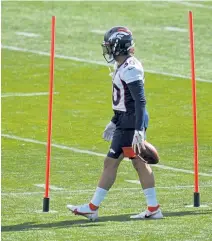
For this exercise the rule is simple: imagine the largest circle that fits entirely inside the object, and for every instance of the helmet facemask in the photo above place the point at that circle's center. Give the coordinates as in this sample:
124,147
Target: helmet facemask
107,51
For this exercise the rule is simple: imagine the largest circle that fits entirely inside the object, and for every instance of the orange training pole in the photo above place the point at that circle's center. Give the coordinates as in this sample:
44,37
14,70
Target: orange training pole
51,85
192,56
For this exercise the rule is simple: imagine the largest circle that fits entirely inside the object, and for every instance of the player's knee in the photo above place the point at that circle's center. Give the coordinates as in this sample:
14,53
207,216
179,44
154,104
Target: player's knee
138,164
135,163
110,163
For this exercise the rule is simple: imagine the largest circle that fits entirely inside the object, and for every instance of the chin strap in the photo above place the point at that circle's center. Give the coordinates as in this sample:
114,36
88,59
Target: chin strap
111,72
110,69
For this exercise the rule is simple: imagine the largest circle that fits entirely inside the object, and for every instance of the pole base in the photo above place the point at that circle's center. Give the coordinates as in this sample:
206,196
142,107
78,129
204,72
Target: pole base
196,199
46,204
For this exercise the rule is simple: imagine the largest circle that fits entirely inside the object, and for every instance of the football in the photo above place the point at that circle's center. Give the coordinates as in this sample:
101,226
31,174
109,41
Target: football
150,154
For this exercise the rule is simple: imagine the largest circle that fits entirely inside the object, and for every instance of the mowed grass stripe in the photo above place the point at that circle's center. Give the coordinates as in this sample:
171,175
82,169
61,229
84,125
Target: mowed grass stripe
95,153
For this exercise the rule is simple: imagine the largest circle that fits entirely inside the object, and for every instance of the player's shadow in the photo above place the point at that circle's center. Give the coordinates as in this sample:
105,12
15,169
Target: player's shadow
85,223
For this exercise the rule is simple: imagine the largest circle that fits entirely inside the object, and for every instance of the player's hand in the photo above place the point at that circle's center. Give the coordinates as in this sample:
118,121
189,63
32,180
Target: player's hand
138,141
108,132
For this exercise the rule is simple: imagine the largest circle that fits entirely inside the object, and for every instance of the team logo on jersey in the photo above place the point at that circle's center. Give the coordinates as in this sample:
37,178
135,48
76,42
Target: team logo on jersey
132,62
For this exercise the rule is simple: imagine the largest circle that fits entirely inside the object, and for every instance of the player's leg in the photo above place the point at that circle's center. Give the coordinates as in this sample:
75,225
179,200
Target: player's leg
111,164
145,173
147,181
106,181
109,172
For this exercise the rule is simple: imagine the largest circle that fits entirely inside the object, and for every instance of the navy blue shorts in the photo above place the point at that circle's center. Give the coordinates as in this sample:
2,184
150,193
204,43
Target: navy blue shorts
123,135
121,138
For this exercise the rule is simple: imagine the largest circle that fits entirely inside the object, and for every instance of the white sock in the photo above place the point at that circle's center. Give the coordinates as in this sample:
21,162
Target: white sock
98,196
150,195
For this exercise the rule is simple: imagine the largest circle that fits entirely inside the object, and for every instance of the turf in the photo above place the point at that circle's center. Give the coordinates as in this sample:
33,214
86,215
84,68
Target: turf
82,108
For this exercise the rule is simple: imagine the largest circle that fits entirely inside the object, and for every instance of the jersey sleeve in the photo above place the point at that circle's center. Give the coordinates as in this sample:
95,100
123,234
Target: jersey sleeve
132,73
114,118
137,91
133,76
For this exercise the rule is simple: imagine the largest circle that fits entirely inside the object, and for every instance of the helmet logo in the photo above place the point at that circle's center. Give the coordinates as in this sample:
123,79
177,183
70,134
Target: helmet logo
118,35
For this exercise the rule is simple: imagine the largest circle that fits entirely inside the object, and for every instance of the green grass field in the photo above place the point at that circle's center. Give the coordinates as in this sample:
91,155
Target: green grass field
82,108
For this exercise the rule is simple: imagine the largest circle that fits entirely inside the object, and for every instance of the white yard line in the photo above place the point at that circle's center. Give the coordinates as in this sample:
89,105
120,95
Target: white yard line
180,170
171,187
175,29
201,206
42,212
21,193
96,154
13,48
71,192
198,5
59,56
51,187
87,191
3,95
26,34
133,181
98,31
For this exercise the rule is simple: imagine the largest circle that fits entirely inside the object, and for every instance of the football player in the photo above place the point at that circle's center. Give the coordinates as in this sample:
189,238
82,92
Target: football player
127,127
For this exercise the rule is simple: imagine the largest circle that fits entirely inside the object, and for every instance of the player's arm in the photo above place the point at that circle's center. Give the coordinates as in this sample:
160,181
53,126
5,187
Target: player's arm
137,91
134,78
114,119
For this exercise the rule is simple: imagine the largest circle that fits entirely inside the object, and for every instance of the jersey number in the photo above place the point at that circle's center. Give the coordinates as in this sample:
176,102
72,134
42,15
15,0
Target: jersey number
116,94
